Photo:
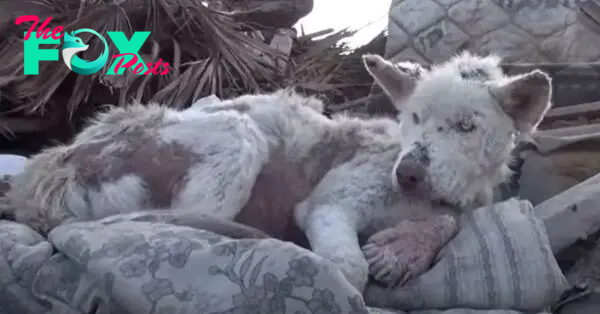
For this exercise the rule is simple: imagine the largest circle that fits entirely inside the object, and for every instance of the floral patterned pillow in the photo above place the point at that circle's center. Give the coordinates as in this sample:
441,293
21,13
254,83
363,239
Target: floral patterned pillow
139,267
143,267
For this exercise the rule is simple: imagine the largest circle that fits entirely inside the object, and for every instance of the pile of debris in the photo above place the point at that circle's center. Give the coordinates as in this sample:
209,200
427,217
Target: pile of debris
225,48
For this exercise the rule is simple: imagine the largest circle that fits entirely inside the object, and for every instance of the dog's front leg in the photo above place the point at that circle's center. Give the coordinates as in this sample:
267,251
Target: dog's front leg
340,208
332,234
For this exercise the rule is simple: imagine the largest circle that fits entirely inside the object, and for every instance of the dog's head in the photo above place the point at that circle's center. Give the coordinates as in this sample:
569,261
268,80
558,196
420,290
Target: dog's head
459,123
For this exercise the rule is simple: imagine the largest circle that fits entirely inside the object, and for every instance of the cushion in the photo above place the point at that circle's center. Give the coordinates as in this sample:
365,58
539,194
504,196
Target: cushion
500,259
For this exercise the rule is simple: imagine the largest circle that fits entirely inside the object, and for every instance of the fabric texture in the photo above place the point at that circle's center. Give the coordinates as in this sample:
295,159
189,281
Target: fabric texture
158,268
24,252
430,31
471,311
453,311
137,267
500,259
120,266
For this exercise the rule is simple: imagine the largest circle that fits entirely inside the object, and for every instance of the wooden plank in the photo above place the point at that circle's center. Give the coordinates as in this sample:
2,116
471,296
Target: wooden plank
570,130
564,116
570,111
571,215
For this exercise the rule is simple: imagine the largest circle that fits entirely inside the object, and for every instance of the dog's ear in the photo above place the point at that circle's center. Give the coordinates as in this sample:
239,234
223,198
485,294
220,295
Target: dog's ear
398,80
525,98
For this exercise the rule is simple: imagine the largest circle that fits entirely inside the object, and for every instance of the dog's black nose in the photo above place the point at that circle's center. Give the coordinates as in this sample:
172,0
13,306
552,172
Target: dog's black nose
409,173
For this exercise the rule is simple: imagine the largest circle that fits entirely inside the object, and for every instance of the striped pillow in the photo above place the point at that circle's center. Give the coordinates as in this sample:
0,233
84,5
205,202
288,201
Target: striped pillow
500,259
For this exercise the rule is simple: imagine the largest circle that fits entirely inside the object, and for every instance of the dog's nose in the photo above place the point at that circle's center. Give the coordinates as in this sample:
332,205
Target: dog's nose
409,174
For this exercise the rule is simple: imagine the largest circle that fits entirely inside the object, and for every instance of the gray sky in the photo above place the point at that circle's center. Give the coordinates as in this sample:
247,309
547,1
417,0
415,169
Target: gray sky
338,14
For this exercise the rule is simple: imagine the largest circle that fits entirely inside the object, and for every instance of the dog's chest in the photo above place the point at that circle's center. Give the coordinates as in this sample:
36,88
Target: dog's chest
409,209
277,190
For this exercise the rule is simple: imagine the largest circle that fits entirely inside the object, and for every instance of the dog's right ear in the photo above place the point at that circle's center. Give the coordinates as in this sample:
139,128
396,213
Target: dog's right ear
398,80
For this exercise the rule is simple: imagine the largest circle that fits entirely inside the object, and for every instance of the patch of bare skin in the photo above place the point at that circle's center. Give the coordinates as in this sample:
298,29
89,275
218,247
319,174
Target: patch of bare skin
164,173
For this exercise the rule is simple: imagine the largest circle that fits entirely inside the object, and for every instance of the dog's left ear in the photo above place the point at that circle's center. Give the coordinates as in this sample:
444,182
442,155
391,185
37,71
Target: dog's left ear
525,98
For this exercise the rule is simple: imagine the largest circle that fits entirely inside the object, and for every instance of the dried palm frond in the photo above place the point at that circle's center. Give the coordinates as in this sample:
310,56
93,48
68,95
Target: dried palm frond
328,66
209,52
180,30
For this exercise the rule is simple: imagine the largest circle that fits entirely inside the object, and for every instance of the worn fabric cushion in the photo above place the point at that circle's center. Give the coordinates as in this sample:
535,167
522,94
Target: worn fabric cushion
453,311
430,31
500,259
23,253
471,311
139,267
115,265
143,267
373,310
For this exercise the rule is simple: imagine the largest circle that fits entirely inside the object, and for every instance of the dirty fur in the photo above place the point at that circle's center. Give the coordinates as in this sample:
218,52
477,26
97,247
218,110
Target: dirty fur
275,162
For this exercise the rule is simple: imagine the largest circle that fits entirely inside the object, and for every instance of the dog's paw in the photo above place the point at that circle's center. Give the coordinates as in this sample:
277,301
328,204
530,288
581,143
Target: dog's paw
401,253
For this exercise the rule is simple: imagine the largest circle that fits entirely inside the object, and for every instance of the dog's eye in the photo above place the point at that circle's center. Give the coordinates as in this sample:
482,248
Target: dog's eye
466,126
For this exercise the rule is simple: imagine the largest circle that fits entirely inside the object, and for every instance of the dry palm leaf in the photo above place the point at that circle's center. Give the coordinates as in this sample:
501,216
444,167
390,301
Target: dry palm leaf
181,30
208,51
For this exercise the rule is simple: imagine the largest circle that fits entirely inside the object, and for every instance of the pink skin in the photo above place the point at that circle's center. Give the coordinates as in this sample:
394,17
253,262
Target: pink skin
407,250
